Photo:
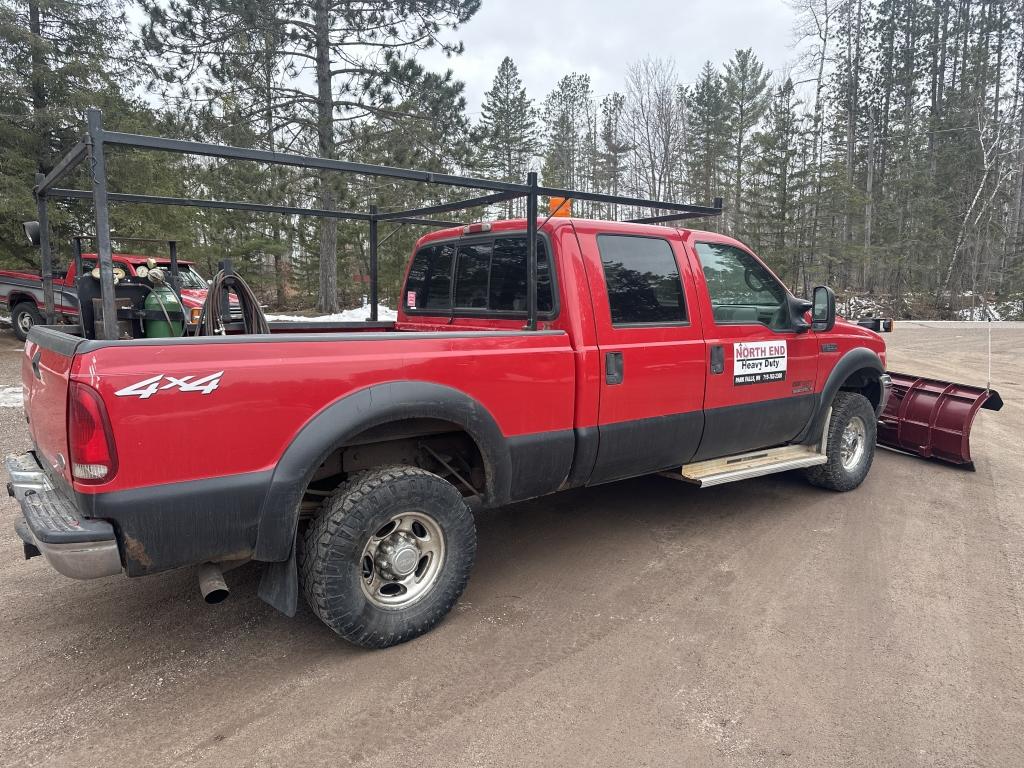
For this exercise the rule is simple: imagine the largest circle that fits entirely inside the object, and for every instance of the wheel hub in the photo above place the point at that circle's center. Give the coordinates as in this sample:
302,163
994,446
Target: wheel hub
397,555
402,560
853,443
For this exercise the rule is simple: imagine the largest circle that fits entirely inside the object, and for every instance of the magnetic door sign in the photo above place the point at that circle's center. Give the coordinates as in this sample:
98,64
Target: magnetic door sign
758,362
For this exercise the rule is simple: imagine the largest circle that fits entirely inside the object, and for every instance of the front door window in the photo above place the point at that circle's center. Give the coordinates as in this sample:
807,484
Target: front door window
742,291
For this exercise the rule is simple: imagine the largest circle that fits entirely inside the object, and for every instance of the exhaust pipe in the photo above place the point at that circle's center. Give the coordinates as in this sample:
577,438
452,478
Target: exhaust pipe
212,584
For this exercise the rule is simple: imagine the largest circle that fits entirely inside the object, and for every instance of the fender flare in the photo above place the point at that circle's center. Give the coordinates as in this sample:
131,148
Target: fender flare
354,413
854,360
20,297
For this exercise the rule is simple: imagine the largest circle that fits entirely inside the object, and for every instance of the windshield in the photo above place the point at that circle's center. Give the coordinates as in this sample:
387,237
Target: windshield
189,277
186,272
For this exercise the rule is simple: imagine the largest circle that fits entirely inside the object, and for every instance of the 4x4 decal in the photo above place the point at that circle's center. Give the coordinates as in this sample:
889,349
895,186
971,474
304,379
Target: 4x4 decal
148,387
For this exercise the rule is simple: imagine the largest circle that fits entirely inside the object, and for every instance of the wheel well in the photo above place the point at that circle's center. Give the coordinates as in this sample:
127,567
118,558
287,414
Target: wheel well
865,382
19,298
438,446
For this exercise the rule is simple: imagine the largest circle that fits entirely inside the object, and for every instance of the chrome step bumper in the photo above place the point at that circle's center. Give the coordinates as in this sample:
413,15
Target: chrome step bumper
72,545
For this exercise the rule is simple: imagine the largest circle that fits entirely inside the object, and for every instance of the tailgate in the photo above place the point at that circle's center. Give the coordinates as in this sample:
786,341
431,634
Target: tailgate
45,372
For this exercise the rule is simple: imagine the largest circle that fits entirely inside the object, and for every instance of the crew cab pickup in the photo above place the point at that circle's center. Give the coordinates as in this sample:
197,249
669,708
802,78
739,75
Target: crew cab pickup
22,292
348,463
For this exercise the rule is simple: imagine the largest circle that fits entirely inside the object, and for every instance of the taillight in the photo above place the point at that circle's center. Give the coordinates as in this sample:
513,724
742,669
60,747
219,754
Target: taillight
90,440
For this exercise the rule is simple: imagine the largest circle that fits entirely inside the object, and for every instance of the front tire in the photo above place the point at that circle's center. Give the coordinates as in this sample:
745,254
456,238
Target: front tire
388,555
23,317
850,444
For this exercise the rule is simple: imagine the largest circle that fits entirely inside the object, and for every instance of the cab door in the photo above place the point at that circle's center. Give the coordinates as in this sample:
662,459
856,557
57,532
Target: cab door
652,351
761,372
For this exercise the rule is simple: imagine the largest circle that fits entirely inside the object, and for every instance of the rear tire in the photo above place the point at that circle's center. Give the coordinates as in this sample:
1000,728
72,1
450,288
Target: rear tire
850,444
23,317
388,555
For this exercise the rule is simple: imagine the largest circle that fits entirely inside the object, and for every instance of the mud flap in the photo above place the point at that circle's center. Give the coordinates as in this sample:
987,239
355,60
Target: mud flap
279,585
933,418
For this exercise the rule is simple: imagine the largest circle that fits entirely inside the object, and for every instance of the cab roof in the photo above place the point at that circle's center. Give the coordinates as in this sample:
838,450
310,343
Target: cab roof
582,225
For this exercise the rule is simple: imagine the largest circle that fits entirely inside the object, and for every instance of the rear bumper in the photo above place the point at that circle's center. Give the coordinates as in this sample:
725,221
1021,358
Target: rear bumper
72,545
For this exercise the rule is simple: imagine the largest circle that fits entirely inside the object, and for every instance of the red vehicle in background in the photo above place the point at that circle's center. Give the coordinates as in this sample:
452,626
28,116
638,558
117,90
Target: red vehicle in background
22,292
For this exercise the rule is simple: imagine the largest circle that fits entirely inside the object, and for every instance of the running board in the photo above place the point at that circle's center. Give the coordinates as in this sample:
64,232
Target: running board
729,469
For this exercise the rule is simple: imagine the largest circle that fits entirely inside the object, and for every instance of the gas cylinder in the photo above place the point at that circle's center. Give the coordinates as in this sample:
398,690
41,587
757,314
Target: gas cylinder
156,324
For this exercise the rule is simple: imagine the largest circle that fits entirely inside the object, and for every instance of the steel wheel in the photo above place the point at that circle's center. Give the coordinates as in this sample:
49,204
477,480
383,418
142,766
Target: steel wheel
25,322
402,560
853,443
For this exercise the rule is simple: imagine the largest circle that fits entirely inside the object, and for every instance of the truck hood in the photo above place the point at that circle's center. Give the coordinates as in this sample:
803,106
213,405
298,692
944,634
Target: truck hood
850,328
864,336
21,275
196,297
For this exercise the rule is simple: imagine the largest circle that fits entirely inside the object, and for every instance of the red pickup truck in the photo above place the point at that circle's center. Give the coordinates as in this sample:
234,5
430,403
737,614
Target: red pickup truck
22,292
348,463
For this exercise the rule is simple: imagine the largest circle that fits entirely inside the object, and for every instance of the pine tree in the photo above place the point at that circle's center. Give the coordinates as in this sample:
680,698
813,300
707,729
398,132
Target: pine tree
708,138
568,114
508,124
362,57
56,59
776,183
615,147
746,94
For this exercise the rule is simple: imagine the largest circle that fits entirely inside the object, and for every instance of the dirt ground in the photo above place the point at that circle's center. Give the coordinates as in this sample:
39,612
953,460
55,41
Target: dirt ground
763,623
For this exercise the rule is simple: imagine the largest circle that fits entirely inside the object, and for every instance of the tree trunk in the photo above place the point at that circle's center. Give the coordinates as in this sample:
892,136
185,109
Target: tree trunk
327,296
280,262
38,87
868,201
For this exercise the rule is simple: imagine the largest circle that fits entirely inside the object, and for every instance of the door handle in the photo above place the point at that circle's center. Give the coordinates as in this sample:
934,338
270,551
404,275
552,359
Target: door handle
717,358
613,366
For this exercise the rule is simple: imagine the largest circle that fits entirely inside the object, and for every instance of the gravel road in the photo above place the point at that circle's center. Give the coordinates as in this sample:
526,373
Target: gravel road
763,623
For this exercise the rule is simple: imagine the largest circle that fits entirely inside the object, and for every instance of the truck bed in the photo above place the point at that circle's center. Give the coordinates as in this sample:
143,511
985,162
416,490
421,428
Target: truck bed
270,386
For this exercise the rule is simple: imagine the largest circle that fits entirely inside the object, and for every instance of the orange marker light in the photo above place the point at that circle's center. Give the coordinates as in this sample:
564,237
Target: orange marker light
560,207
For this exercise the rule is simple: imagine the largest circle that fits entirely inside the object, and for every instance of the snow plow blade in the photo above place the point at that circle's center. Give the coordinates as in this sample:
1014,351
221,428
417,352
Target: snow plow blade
933,418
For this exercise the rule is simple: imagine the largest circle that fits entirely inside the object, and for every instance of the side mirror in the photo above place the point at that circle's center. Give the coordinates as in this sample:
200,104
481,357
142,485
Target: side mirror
797,309
32,231
823,310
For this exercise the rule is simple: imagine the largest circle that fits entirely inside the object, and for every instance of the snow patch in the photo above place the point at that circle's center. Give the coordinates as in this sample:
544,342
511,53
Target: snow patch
347,316
11,397
5,320
987,312
856,307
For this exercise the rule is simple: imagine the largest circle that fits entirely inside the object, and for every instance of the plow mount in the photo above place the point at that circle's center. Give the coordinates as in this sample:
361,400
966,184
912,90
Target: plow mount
933,418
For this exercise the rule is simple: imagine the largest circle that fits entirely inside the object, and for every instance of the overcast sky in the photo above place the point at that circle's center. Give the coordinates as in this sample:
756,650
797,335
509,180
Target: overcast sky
551,38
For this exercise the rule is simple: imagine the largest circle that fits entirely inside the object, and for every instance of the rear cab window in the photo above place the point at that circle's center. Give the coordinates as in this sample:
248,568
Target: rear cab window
477,277
642,279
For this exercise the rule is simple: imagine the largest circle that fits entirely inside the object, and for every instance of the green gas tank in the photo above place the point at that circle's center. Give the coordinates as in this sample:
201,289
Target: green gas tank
157,326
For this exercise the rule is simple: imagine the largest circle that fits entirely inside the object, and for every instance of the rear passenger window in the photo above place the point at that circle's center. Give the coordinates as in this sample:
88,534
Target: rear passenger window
430,278
642,278
490,277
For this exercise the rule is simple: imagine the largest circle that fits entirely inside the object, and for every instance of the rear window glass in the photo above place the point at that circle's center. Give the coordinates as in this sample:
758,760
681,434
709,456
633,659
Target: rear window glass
430,278
490,276
642,278
472,276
